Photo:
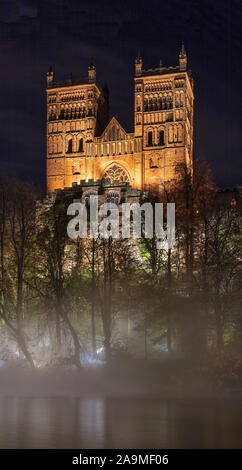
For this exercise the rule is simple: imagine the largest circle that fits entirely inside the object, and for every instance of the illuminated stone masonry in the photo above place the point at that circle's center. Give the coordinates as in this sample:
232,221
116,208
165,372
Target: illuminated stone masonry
82,144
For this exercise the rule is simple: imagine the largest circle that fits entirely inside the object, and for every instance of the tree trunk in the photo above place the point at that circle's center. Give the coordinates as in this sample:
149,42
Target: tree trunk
94,346
22,344
77,347
106,308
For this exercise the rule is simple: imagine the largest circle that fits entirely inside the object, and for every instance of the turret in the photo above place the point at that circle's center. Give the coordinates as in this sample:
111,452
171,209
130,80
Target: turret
50,77
138,65
183,59
92,72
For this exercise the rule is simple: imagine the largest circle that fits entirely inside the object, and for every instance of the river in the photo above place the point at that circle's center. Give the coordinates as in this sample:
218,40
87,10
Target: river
120,423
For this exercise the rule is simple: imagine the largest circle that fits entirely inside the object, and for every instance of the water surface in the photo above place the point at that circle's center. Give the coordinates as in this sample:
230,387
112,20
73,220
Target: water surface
120,423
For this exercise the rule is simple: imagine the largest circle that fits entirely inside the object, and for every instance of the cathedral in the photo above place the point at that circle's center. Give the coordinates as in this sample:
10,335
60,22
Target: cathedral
87,150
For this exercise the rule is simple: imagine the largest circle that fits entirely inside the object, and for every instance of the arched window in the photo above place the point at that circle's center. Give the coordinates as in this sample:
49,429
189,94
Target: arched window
50,145
55,144
69,146
161,137
180,133
177,99
175,134
80,147
150,139
115,173
59,144
138,108
170,133
170,104
113,198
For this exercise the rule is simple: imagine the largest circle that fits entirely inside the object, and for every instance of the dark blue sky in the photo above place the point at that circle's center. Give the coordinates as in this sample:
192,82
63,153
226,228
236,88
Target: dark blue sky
66,34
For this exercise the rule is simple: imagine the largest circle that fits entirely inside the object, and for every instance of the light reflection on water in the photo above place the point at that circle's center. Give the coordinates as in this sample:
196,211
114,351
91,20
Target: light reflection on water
119,423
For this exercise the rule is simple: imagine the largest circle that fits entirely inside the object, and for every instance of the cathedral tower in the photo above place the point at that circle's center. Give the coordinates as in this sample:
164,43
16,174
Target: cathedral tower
163,117
76,111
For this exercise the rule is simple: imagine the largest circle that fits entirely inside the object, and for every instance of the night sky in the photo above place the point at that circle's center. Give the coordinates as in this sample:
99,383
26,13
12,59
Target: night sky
67,34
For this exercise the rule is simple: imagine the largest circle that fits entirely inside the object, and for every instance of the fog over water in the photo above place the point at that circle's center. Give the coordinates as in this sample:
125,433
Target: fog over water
104,407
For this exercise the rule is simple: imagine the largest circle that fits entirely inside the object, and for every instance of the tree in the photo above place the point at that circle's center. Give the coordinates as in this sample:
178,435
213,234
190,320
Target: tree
17,235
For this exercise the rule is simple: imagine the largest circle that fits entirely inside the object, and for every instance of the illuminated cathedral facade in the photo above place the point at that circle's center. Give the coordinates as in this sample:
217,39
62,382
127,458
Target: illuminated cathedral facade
85,149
